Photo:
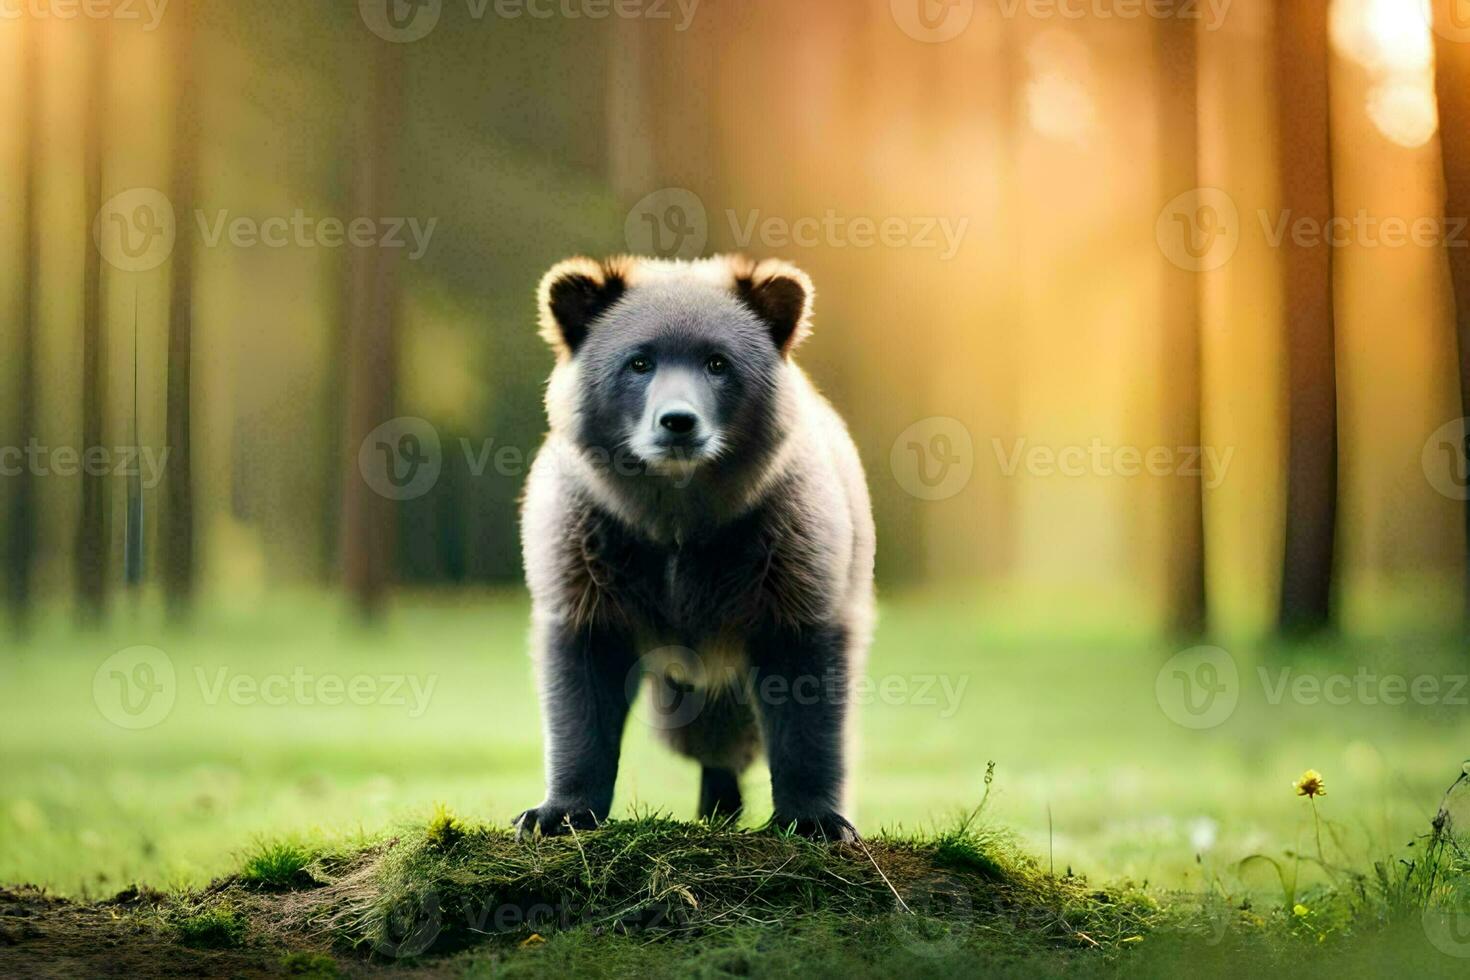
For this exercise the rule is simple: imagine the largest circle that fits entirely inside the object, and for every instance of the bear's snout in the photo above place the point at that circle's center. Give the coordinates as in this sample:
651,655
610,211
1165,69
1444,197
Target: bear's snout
680,421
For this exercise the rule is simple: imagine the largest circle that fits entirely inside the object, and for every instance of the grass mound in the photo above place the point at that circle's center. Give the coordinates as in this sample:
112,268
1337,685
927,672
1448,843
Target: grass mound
647,896
660,878
652,897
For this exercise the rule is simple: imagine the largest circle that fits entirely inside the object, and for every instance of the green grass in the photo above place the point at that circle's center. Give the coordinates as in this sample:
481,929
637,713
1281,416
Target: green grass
277,865
653,897
1093,775
1092,778
215,927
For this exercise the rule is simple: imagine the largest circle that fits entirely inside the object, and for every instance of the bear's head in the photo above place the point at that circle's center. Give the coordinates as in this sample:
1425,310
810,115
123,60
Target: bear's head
674,366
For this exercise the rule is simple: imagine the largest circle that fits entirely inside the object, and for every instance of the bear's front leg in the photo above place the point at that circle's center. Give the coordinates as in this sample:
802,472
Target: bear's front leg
801,692
583,674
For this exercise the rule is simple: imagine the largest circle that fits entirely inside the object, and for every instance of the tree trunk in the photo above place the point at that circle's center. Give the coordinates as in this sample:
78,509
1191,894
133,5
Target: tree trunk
1452,82
92,538
368,517
1178,108
20,546
1305,161
179,543
133,526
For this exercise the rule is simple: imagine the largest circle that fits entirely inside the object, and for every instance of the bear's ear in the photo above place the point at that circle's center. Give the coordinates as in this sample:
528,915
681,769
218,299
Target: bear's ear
780,294
572,295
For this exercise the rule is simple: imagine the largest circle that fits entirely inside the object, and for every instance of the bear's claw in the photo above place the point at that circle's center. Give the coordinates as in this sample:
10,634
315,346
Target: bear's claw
553,820
823,826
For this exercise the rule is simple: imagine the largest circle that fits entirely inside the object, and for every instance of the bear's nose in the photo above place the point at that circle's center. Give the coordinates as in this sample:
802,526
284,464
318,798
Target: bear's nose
679,423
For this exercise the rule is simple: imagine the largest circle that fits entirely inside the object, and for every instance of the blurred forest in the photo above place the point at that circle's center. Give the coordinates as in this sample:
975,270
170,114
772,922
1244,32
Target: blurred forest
1062,318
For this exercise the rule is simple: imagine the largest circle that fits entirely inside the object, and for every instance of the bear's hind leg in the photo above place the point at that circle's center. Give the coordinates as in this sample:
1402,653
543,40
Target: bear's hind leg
719,794
715,728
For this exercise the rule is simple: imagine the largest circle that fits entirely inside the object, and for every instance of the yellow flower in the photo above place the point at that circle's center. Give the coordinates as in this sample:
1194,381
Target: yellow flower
1301,911
1310,784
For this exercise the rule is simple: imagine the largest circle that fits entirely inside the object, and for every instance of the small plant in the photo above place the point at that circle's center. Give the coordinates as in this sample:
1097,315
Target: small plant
1439,877
278,866
220,927
1311,785
444,830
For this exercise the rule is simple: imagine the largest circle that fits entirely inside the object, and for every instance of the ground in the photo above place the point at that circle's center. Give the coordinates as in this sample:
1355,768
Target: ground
107,791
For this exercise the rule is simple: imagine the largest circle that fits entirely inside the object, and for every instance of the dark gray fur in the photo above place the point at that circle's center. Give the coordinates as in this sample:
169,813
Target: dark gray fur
745,545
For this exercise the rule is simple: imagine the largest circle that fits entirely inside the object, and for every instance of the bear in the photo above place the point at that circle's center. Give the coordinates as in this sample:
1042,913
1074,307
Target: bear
696,522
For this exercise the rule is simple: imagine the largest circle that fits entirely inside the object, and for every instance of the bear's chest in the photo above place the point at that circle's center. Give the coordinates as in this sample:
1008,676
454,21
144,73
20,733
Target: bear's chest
702,588
721,584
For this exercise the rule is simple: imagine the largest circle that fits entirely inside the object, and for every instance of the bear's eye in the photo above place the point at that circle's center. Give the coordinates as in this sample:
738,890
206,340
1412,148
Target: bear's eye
716,364
640,365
